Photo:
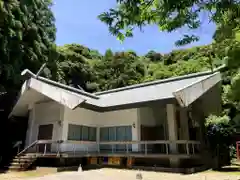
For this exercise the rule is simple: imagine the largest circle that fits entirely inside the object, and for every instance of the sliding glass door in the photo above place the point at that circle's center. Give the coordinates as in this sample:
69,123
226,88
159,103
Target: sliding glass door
119,133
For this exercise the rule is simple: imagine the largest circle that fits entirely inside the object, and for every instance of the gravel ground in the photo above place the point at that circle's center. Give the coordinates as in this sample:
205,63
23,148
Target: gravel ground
114,174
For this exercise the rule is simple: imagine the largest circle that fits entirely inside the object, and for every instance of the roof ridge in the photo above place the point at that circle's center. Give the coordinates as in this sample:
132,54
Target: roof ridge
192,75
96,95
27,72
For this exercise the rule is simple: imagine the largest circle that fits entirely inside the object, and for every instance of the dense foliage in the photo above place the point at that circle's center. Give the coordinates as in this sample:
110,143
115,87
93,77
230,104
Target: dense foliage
219,131
27,34
113,70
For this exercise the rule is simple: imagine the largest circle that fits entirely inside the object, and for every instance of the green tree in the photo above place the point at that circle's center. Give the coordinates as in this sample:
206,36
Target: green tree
108,54
95,54
73,68
27,34
154,56
219,134
124,68
171,15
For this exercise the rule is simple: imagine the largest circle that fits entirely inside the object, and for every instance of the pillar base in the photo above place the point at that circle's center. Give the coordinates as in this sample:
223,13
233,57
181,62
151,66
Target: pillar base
174,162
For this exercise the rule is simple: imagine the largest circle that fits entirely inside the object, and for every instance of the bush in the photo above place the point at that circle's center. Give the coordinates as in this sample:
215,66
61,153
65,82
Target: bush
219,130
233,152
219,135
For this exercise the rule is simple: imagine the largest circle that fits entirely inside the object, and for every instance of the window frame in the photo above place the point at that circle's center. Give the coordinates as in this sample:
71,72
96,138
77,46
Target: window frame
82,136
115,135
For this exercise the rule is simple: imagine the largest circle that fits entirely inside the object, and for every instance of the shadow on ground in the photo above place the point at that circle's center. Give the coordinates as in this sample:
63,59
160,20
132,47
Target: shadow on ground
235,167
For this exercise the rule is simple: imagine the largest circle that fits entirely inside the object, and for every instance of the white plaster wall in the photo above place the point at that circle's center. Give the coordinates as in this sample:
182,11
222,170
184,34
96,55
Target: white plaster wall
118,118
211,101
43,114
29,129
90,118
154,115
80,116
146,115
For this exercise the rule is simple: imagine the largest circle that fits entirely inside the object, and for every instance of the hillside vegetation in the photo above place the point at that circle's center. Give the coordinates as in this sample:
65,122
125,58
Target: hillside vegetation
79,65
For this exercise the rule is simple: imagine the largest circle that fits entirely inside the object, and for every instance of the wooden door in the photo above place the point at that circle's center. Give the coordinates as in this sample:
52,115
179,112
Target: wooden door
149,133
153,134
45,133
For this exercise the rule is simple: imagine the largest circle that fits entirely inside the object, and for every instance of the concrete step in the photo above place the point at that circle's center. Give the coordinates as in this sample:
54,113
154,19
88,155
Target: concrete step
17,167
11,169
24,157
20,163
14,167
23,160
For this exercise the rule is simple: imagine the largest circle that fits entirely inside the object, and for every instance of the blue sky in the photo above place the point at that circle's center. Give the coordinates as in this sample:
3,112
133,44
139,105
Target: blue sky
76,22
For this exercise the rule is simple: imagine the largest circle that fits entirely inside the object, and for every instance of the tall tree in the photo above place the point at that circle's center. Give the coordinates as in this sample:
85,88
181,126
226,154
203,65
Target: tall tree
73,68
171,15
118,70
108,54
154,56
27,34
